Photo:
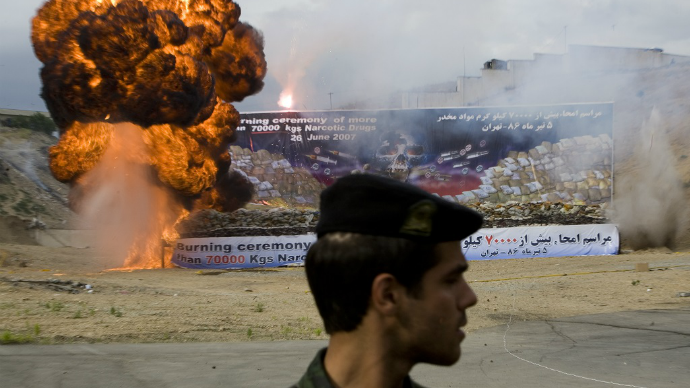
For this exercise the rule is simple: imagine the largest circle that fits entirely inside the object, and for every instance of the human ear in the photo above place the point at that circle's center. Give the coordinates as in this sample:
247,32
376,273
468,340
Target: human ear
385,293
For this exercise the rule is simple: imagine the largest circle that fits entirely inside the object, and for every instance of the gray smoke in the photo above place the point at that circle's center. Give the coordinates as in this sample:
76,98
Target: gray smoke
649,161
649,203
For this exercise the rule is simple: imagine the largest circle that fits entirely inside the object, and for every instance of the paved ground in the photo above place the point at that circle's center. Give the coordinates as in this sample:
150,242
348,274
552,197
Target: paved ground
630,349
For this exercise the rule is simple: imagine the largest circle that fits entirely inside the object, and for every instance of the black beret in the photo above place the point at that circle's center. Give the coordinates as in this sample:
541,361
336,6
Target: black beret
380,206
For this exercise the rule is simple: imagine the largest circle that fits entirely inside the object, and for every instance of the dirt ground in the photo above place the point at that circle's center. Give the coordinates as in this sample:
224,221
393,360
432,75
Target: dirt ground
180,305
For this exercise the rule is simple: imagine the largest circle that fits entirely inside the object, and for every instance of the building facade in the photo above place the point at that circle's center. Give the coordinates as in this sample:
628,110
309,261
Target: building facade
498,76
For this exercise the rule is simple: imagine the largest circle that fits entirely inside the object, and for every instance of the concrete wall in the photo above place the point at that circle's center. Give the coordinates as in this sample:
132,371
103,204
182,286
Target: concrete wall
431,100
470,87
493,80
585,59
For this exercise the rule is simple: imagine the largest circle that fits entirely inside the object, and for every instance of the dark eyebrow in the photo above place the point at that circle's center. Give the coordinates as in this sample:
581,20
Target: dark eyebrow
458,269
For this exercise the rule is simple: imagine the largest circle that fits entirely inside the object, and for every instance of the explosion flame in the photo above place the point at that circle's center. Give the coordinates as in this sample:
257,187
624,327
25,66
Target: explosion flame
285,100
171,68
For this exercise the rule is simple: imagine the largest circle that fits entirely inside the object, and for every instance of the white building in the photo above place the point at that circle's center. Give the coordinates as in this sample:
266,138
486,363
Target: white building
499,76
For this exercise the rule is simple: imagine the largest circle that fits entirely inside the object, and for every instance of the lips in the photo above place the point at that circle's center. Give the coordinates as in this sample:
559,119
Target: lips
463,322
461,333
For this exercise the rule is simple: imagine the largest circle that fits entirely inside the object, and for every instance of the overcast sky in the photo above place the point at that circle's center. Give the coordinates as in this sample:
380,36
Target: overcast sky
357,48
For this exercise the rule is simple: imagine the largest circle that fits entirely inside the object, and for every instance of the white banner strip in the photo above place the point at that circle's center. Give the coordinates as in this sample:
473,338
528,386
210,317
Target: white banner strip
496,243
242,252
542,241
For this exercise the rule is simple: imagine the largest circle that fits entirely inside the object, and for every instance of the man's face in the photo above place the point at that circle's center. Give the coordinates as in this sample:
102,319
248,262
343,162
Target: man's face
433,318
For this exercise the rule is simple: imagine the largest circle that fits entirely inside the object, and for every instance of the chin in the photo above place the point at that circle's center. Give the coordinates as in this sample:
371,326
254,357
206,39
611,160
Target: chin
446,358
452,360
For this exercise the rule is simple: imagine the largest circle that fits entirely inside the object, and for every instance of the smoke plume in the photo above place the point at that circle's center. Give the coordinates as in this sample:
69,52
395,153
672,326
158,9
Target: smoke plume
649,149
171,68
649,205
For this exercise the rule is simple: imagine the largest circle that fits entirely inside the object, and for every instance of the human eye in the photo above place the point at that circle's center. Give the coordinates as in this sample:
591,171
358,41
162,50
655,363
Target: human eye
455,275
453,278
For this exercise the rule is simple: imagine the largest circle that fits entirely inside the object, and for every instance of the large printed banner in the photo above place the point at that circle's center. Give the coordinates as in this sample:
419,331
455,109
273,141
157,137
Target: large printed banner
497,154
496,243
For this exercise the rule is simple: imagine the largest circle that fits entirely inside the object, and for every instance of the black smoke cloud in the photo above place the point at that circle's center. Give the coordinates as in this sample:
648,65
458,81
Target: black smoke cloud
146,62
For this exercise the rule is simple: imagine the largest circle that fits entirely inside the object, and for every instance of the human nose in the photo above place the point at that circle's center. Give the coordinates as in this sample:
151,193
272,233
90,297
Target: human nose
467,296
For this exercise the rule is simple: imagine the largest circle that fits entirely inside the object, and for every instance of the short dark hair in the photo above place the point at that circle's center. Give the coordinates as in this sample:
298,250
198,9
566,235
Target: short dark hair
341,268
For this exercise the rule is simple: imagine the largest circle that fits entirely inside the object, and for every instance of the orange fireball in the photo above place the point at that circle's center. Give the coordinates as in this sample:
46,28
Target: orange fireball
169,68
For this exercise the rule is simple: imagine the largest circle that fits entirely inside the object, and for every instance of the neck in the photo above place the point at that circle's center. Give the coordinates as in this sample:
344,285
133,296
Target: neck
359,359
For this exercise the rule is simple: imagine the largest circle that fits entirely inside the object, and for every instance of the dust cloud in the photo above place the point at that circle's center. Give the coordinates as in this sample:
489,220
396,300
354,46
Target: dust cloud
649,132
649,203
124,202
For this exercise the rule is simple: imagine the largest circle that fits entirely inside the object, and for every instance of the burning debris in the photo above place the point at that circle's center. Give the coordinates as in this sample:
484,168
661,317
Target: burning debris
141,92
67,286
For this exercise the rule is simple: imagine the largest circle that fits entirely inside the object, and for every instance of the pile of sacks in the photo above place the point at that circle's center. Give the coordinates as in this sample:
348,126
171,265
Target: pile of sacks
243,222
274,177
288,221
576,171
512,214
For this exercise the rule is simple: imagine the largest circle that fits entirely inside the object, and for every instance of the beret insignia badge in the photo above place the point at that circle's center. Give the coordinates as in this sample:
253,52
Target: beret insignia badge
419,219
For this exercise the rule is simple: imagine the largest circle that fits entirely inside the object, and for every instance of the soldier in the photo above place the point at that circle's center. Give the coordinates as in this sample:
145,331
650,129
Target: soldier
387,276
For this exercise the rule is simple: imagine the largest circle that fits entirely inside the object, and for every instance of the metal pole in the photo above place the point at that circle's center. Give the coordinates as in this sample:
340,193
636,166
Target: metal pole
163,253
330,97
565,39
464,75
